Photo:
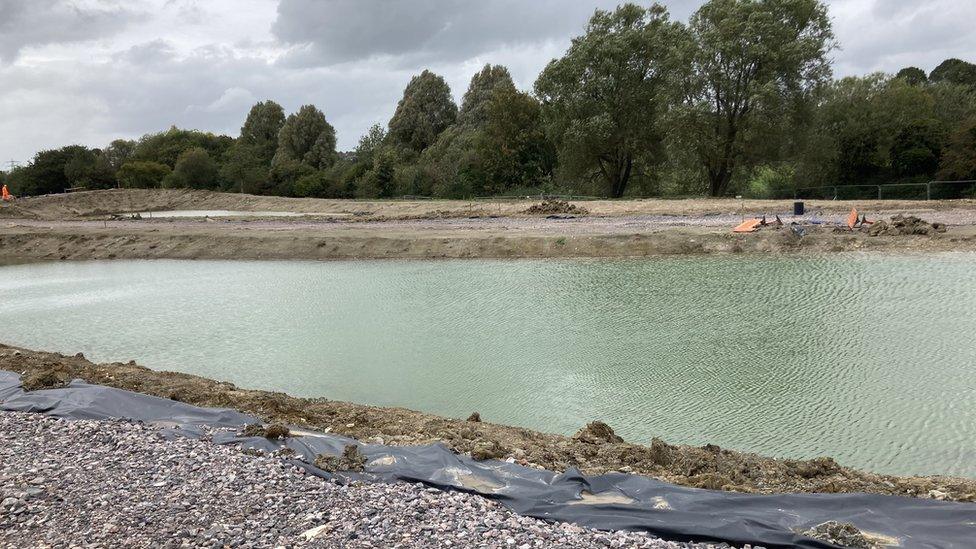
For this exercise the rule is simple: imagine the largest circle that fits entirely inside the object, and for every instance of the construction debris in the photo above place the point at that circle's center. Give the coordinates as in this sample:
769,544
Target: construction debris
901,225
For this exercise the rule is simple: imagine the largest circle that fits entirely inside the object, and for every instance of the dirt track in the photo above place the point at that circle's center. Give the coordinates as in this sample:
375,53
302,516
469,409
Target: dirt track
81,226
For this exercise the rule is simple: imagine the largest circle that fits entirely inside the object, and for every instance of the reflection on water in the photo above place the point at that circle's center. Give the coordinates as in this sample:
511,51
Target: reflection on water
865,358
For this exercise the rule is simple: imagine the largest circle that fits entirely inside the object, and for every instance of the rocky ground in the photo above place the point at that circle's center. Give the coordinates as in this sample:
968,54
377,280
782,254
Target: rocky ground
594,450
120,484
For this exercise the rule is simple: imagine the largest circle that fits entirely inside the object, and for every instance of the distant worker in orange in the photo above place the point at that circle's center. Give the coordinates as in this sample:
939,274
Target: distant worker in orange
6,194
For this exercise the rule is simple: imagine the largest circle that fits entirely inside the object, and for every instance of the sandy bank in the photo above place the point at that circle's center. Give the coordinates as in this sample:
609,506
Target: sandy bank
594,451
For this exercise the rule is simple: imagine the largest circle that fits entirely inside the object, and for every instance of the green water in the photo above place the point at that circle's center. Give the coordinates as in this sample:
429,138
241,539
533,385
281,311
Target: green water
867,358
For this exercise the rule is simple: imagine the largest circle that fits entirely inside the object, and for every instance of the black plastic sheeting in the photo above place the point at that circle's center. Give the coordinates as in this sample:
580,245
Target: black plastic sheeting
610,502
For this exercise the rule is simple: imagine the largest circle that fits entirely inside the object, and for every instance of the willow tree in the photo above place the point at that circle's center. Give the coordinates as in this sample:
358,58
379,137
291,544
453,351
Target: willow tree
746,57
425,111
602,101
474,104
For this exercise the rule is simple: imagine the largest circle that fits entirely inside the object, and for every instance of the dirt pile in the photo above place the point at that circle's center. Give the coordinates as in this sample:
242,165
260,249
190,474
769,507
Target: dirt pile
350,460
597,432
273,432
903,225
844,534
598,451
555,207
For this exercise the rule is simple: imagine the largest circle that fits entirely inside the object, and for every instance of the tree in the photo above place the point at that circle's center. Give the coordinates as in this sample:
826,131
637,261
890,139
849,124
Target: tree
370,143
307,138
118,152
916,149
194,169
140,174
480,91
166,147
602,100
425,111
955,71
512,149
90,169
959,160
260,130
747,56
913,75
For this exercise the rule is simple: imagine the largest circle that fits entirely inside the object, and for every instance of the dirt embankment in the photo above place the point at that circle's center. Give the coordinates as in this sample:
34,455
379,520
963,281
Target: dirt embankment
595,449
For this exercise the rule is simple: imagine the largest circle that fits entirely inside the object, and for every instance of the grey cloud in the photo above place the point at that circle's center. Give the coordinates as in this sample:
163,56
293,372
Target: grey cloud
41,22
336,31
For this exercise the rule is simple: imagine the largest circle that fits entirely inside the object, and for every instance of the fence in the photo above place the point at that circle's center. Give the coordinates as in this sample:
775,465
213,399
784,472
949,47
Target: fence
891,191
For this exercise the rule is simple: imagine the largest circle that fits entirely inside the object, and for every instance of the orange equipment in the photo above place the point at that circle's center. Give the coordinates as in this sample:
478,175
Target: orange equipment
748,226
6,194
852,219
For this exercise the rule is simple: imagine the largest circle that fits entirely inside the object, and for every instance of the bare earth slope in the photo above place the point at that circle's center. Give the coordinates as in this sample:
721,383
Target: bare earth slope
594,450
86,226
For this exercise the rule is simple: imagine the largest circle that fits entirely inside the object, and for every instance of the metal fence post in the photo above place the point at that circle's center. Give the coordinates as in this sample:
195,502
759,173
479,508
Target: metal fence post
928,191
879,192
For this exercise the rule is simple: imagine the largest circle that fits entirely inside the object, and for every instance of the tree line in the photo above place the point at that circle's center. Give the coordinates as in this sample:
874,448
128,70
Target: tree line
738,100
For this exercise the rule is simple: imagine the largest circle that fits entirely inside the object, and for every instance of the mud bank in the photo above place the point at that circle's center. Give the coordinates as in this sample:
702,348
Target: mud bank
20,243
596,449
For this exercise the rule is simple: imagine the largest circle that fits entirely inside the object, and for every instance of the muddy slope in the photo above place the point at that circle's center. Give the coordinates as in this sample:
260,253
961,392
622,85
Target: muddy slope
594,450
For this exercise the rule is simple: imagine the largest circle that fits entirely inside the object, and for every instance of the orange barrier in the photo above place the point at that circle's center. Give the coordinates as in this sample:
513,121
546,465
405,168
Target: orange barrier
852,219
748,226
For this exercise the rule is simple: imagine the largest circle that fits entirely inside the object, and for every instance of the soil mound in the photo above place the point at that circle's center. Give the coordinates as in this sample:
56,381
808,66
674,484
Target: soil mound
901,225
552,207
350,460
597,432
844,534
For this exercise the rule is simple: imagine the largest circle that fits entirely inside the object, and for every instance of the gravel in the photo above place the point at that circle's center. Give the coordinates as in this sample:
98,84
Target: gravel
116,483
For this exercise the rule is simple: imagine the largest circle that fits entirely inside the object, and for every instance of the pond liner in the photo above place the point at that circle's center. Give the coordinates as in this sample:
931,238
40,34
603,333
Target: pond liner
614,501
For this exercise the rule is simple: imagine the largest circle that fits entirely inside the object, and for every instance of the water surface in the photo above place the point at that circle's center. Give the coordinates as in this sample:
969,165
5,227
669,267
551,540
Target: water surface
867,358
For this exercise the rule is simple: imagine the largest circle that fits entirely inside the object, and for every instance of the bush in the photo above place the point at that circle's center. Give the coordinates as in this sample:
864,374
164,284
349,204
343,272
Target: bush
770,181
139,174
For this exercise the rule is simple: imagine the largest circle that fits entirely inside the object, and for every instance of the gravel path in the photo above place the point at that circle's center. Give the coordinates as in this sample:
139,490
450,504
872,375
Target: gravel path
111,484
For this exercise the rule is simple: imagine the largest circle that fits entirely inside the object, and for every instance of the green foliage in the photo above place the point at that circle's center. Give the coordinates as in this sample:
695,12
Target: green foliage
913,75
245,170
916,149
425,111
166,147
259,134
195,170
769,181
482,88
90,169
959,161
307,137
747,59
955,71
602,100
512,149
369,143
118,153
141,174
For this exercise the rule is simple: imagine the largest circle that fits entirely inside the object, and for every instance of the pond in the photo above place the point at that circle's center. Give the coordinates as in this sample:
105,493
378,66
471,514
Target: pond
866,358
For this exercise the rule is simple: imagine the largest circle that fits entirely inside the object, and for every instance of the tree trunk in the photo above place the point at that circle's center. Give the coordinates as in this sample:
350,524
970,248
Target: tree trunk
718,182
617,173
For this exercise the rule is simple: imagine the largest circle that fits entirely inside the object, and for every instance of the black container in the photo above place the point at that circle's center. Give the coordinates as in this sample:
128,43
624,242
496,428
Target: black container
798,208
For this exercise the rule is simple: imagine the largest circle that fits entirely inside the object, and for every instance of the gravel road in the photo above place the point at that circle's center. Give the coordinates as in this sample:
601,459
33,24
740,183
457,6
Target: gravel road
114,483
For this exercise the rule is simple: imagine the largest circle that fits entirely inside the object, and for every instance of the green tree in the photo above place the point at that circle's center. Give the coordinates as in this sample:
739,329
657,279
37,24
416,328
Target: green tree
141,174
602,100
425,111
913,75
480,91
194,169
307,138
260,130
955,71
166,147
959,160
747,57
370,143
90,169
916,149
512,149
118,152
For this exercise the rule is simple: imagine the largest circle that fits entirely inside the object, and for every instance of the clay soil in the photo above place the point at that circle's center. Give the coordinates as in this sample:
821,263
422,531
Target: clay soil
596,449
88,225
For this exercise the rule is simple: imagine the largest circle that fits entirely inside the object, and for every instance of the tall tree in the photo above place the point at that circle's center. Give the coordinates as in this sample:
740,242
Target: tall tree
480,90
195,170
959,161
425,111
118,152
955,71
260,130
746,56
308,138
602,100
913,75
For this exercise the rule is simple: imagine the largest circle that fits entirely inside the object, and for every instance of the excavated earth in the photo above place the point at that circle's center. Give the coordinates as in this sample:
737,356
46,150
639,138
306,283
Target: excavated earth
594,450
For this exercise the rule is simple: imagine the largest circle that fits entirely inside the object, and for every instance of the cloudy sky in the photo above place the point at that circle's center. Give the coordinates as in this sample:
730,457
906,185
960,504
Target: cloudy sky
89,71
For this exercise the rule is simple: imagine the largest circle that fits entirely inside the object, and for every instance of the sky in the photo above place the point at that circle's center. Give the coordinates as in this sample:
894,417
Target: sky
90,71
